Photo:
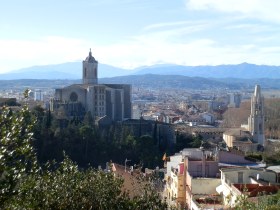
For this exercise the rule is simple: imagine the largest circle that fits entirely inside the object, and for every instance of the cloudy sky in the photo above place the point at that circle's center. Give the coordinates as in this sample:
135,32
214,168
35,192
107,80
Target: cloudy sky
133,33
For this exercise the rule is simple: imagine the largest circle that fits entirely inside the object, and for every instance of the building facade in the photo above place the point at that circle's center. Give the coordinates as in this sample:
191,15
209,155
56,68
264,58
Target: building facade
256,118
111,100
250,181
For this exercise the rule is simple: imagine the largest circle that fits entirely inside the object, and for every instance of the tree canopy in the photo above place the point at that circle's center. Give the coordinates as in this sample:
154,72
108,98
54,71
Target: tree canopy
26,184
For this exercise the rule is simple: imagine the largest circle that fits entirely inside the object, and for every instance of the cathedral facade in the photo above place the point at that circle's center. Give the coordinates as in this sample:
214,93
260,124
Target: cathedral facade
111,100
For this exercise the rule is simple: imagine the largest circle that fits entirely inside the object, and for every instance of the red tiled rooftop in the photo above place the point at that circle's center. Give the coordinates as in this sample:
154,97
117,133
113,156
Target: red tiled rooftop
131,182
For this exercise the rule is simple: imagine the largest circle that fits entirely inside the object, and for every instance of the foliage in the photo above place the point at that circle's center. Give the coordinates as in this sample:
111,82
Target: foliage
254,157
185,140
244,203
234,117
272,115
266,202
87,144
272,158
16,153
197,141
24,184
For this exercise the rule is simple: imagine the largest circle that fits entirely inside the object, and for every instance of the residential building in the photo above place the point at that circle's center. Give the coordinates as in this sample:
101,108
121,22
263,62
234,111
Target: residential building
193,176
187,172
234,100
240,139
236,181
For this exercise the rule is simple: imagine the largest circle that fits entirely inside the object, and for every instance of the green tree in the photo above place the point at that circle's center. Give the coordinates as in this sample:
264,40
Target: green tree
24,184
17,156
266,202
88,120
148,152
197,140
86,132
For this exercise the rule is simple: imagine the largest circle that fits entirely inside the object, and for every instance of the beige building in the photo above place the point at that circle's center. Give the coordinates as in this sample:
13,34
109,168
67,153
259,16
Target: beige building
176,192
111,100
240,139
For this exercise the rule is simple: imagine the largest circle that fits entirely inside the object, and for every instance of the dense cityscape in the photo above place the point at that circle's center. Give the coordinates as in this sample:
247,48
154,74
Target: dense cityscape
185,138
140,105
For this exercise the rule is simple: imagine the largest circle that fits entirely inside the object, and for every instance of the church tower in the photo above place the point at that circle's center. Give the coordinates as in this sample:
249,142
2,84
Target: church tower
90,70
256,118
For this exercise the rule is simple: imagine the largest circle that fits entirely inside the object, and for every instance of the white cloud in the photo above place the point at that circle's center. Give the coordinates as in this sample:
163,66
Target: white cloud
260,9
16,54
146,49
169,24
196,52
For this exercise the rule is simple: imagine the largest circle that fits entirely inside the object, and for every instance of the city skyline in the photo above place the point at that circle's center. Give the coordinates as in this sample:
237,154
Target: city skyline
132,33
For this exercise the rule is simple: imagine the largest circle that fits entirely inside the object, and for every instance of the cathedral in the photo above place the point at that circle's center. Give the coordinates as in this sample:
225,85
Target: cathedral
111,100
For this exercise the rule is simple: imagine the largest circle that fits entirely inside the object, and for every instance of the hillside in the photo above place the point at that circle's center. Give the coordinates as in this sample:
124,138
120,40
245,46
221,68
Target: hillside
152,81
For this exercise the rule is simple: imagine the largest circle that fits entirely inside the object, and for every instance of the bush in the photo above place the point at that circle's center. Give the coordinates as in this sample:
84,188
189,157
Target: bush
24,184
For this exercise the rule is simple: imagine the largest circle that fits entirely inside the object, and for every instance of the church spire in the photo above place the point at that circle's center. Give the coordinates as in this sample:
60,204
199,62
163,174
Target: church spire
90,58
257,93
256,119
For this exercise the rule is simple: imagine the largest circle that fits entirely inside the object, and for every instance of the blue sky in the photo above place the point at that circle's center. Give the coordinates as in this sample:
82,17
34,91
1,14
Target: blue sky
133,33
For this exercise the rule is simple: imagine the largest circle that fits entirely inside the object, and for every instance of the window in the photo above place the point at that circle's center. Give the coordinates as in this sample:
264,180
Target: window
73,97
240,177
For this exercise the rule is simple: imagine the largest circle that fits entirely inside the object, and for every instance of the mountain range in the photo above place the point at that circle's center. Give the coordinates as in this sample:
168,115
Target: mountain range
150,81
73,70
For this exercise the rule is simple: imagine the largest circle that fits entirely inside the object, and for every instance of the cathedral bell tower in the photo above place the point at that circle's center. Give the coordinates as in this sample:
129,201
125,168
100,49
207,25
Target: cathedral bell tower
90,70
256,118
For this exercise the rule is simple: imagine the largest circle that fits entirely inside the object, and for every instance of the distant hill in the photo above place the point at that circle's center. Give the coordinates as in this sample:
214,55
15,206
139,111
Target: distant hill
243,71
73,70
185,82
151,81
167,81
